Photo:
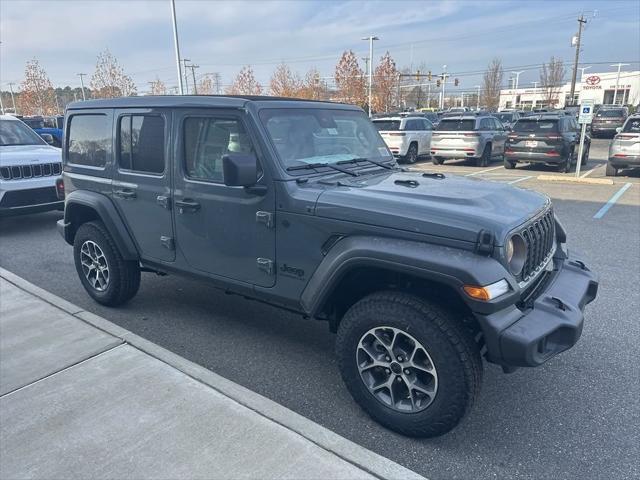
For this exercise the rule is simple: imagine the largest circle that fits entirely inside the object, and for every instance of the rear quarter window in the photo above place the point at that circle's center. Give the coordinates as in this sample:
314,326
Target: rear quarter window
386,125
89,140
632,125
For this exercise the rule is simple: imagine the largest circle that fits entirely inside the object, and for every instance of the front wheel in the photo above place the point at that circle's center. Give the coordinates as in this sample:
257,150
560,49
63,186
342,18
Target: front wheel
105,275
408,363
611,171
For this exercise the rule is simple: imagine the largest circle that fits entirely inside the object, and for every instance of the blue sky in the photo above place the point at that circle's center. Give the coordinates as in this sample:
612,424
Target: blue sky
221,36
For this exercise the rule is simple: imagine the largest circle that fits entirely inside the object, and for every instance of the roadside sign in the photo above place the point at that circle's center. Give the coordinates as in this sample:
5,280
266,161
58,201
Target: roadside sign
586,112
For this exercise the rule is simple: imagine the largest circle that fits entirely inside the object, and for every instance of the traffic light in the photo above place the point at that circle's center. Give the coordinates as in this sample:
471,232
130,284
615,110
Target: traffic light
429,75
456,82
418,76
438,82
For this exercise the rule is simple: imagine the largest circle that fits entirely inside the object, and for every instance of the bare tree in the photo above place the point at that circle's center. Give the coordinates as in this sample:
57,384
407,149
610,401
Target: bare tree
385,83
313,87
349,79
285,83
38,96
109,80
245,83
551,78
491,85
158,87
210,84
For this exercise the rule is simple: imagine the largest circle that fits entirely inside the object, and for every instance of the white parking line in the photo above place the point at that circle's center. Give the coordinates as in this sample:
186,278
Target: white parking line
519,180
586,174
483,171
616,196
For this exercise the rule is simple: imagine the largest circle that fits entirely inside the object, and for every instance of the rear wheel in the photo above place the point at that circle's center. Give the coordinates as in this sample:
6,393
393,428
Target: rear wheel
412,154
437,160
408,363
509,165
485,159
585,155
565,167
105,275
611,171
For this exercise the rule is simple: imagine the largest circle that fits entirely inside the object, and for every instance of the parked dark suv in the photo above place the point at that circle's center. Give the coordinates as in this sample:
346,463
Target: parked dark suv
546,139
607,120
301,205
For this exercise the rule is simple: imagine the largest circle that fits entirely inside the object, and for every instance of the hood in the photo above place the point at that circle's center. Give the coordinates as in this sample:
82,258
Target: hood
29,154
451,207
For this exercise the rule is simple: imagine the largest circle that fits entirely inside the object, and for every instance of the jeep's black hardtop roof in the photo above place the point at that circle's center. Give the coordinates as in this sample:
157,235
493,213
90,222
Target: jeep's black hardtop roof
199,101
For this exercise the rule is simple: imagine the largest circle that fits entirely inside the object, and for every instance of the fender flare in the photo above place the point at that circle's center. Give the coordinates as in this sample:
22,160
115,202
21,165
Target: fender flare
453,267
106,211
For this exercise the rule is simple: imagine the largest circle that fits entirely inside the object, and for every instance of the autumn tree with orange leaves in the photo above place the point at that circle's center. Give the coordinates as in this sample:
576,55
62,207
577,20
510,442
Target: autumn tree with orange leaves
38,96
313,87
210,84
158,87
109,80
245,83
350,80
385,82
285,83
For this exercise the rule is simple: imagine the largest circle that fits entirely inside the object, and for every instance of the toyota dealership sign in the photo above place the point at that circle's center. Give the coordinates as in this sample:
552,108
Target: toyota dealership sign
592,83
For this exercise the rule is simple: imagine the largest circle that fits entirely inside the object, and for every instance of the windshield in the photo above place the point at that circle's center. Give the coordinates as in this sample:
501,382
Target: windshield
609,113
386,125
14,132
632,125
504,117
455,125
322,135
34,122
536,126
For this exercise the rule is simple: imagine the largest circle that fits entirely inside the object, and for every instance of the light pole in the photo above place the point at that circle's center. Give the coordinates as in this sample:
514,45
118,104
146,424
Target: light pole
515,90
582,69
535,84
13,100
615,91
81,75
478,97
176,45
444,81
370,38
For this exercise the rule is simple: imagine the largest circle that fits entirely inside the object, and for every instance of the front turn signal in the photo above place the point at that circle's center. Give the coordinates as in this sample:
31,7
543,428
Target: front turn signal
488,292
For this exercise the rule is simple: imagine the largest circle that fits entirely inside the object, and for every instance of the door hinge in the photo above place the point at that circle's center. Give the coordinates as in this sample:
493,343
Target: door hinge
265,217
167,242
266,265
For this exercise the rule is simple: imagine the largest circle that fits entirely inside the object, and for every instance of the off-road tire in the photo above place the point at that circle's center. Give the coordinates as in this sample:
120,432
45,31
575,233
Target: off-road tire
412,154
455,355
124,275
437,160
611,170
485,159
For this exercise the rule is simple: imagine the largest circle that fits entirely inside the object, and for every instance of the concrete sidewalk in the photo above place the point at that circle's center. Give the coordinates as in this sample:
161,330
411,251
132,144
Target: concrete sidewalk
83,398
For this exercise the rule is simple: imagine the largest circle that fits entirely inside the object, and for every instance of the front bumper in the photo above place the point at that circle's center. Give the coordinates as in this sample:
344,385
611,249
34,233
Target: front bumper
528,336
31,200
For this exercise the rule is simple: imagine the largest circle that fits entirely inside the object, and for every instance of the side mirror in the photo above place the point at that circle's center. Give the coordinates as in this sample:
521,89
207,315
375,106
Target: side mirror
618,130
47,137
239,169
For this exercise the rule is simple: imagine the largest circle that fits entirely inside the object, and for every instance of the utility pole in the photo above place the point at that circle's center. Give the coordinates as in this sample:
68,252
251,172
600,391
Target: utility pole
176,45
444,81
581,22
13,100
615,91
478,99
515,89
370,38
186,77
1,104
81,75
193,74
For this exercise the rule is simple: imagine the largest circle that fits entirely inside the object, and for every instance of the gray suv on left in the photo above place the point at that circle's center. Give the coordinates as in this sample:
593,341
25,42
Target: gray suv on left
480,138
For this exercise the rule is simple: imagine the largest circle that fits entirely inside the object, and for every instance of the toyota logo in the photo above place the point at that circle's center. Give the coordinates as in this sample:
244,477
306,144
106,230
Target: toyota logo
593,80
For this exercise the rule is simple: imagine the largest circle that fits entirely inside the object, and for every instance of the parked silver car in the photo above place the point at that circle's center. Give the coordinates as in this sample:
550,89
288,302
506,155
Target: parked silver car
624,151
480,137
408,137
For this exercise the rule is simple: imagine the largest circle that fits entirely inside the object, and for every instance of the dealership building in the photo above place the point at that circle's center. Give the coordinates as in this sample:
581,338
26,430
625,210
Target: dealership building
599,87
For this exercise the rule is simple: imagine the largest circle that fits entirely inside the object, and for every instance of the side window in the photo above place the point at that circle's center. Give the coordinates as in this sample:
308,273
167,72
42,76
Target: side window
485,124
89,140
497,124
409,125
141,143
206,140
427,125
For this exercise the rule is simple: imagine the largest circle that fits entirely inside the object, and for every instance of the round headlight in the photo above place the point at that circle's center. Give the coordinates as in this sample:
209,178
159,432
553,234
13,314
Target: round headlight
516,253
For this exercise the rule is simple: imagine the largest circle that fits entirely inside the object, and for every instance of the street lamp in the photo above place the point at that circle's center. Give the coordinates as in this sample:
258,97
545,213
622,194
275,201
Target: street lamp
615,91
582,69
517,74
176,45
370,38
478,98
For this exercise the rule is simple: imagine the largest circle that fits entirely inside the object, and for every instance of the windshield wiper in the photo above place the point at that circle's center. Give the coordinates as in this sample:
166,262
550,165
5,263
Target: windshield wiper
309,166
364,159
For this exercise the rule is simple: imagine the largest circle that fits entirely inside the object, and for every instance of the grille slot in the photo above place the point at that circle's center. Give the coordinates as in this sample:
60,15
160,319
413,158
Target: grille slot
18,172
538,237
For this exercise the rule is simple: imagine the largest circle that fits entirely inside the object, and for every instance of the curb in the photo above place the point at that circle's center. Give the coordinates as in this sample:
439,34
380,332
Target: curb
343,448
559,178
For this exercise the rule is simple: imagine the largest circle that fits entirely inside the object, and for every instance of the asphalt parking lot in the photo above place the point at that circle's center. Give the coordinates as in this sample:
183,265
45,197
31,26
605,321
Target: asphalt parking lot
575,417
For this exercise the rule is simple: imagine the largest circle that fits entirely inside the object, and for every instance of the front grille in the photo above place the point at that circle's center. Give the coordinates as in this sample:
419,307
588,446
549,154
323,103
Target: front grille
19,172
24,198
539,237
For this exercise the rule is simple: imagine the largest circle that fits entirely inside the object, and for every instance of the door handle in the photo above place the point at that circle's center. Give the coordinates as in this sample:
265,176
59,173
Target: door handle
126,194
187,206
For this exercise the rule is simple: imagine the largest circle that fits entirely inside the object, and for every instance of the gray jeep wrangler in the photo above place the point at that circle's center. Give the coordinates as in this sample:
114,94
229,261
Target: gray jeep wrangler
301,205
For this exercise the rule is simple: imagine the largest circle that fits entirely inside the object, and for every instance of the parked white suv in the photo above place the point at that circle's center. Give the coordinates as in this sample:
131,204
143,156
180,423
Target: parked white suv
407,137
28,170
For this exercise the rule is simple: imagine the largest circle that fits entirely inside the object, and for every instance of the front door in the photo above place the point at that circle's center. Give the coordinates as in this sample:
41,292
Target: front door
224,231
141,185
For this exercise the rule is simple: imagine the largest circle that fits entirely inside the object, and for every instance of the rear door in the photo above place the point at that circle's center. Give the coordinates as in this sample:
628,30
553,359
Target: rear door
141,184
427,128
224,231
499,137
